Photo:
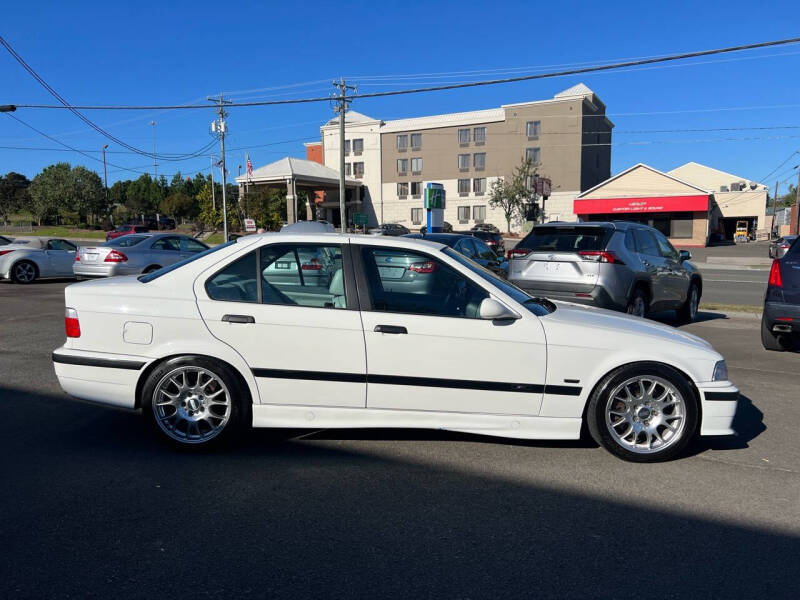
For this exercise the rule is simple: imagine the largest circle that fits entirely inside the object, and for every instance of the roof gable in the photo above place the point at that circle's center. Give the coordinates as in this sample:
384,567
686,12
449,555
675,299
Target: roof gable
639,181
707,177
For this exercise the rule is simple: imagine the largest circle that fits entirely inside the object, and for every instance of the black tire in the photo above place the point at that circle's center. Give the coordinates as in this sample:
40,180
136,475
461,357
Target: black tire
637,304
21,266
770,341
238,417
600,398
150,269
688,311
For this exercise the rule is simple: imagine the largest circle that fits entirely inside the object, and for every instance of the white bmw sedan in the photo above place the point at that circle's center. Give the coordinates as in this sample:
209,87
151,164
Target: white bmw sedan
324,331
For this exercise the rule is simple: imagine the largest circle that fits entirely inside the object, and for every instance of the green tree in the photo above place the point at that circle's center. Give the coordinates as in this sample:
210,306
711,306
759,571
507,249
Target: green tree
118,193
511,195
177,205
141,195
13,194
50,191
88,196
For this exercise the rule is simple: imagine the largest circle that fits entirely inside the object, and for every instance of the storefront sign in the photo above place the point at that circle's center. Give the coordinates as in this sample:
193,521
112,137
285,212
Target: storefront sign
641,205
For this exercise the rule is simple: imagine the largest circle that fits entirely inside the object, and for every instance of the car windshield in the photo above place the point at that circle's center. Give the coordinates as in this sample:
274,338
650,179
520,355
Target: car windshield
538,306
164,270
126,241
566,239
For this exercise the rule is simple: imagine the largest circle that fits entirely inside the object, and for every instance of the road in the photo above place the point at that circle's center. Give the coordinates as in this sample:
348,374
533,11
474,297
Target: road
95,506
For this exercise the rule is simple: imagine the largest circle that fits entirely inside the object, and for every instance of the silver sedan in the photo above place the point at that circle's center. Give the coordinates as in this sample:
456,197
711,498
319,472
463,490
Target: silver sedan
134,254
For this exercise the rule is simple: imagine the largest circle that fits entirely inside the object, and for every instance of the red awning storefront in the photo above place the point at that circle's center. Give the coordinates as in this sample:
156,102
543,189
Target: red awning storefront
641,205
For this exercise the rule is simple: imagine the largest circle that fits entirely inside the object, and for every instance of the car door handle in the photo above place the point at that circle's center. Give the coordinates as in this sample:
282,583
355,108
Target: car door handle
238,319
390,329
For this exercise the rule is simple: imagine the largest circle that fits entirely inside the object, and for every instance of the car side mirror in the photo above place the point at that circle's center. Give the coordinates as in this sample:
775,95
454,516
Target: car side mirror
493,310
685,255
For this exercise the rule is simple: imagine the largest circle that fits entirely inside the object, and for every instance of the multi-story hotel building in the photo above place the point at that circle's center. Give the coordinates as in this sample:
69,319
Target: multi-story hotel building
568,138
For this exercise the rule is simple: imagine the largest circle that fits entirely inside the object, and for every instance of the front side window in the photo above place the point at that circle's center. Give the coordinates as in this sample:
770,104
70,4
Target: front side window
402,189
479,186
534,155
402,142
533,129
358,146
463,136
171,244
416,165
463,214
402,165
466,248
416,216
61,245
479,134
665,248
483,251
479,213
463,162
646,242
191,245
463,186
479,161
416,141
404,281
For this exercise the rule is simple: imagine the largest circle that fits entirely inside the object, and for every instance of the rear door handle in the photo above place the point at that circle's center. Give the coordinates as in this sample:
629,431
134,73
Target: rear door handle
390,329
238,319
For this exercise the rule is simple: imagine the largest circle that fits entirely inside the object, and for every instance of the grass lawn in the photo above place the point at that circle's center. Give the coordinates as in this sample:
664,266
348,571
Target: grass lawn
62,232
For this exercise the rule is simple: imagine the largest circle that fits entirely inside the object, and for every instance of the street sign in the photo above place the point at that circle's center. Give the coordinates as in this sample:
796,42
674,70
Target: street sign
360,219
546,188
249,224
434,196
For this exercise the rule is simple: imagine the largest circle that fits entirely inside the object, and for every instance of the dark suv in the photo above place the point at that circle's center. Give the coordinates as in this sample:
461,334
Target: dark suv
617,265
492,239
780,321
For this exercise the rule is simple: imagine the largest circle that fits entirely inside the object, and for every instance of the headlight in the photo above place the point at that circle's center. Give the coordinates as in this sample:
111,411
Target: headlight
720,371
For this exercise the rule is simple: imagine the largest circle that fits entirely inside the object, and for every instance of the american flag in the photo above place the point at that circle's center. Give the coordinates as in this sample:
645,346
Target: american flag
249,166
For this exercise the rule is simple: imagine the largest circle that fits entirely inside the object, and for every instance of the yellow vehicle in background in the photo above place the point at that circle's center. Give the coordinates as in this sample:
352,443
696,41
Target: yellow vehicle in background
742,233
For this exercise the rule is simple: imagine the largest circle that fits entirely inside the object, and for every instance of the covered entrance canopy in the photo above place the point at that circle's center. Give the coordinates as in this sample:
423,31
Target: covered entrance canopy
297,174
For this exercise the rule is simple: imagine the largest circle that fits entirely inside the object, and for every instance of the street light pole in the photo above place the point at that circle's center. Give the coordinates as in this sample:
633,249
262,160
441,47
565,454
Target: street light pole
105,175
213,191
155,166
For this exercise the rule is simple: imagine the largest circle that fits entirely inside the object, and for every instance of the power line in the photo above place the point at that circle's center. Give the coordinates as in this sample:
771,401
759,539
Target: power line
547,75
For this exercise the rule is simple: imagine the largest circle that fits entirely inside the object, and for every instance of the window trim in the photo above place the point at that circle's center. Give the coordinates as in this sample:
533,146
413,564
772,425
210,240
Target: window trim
397,142
458,137
474,166
411,141
475,137
534,136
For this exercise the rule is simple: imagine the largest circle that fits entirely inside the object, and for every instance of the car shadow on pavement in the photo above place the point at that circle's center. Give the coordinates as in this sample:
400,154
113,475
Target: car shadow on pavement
97,507
670,318
748,425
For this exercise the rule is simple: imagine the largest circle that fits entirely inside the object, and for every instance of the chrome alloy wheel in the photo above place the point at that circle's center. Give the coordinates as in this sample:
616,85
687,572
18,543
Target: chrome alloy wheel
645,414
25,272
191,404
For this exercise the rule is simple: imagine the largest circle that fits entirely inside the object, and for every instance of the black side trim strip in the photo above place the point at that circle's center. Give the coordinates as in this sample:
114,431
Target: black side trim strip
460,384
721,395
109,363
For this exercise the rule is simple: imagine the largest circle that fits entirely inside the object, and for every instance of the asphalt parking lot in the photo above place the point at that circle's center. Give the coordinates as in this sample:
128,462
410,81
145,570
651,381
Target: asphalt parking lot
94,505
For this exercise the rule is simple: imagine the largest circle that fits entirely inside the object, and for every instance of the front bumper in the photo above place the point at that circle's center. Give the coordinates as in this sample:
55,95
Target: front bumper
773,311
718,401
99,377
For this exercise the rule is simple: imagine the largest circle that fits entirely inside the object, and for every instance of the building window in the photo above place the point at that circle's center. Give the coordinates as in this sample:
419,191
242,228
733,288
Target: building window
479,161
416,216
358,147
416,141
402,143
416,189
479,186
463,162
402,165
463,187
681,228
347,147
358,169
479,213
463,214
402,189
479,135
416,165
463,137
347,169
534,155
533,129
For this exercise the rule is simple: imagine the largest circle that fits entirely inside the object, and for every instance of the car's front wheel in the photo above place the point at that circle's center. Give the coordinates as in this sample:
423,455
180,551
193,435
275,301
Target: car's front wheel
644,412
24,272
688,311
637,305
193,401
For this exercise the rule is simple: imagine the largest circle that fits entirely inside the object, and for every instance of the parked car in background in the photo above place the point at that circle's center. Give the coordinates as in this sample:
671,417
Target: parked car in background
126,230
166,223
778,248
780,319
446,228
469,246
394,229
485,227
492,239
232,347
4,240
616,265
27,259
133,254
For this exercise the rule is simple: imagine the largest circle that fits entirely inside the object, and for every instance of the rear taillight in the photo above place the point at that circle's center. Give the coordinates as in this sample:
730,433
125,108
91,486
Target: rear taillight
115,256
517,252
2,252
312,265
775,274
422,267
78,256
71,323
602,256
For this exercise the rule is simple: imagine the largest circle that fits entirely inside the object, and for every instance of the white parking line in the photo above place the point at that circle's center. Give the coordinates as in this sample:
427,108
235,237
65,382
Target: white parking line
736,281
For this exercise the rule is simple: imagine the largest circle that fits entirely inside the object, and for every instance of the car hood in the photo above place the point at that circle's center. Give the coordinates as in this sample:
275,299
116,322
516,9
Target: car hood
572,320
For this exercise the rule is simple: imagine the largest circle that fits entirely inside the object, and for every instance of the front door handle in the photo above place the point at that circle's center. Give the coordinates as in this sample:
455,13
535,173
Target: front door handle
238,319
390,329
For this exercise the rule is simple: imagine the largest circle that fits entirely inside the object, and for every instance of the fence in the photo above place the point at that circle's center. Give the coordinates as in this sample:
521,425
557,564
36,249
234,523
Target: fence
16,227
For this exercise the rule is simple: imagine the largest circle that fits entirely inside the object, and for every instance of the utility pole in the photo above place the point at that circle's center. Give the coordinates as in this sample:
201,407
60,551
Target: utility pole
105,176
774,208
341,109
797,203
213,191
155,165
220,127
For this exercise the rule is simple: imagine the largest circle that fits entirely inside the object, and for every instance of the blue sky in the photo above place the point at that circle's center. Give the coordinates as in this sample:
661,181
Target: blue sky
178,52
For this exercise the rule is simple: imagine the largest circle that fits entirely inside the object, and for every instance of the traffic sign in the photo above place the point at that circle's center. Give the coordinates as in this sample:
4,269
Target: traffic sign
360,219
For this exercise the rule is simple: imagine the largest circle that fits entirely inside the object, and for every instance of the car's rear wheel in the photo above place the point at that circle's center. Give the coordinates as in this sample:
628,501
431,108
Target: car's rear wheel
772,341
194,402
24,271
688,312
151,268
637,305
643,412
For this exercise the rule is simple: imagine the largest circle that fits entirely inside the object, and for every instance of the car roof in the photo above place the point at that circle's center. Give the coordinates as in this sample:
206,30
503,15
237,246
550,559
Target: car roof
448,239
620,225
340,238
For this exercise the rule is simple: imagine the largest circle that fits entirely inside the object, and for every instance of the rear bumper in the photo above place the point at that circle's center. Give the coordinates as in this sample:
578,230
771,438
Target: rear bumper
598,296
99,377
778,313
719,400
102,269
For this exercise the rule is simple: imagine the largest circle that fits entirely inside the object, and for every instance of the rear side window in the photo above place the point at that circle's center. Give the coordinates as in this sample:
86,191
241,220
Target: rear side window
566,239
236,282
125,241
630,243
